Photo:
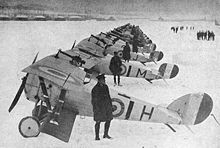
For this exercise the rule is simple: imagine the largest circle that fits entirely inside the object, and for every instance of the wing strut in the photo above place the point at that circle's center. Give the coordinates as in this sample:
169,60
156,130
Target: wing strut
45,94
59,122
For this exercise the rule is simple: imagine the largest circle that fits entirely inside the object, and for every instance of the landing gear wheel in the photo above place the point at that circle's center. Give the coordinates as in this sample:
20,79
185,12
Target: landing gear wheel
29,127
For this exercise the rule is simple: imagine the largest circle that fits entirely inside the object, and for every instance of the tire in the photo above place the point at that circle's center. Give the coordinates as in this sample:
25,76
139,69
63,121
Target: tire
29,127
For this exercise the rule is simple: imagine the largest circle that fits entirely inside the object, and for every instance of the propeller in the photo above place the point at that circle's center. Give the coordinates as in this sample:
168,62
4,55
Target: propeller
21,88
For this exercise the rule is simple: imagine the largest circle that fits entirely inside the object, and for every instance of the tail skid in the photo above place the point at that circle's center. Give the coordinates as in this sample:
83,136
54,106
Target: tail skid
215,119
170,127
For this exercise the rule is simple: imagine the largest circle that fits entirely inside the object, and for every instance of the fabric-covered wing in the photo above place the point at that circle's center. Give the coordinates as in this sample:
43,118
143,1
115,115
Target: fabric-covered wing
57,70
90,59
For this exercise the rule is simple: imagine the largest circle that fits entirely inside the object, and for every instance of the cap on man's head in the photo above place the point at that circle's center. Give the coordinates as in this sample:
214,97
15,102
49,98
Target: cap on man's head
101,76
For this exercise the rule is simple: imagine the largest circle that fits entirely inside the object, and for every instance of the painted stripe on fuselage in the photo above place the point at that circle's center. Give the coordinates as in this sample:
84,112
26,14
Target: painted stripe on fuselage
129,70
124,95
130,107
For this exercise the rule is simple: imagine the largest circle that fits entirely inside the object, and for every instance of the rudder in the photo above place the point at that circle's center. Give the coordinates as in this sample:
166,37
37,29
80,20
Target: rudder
156,55
192,108
168,71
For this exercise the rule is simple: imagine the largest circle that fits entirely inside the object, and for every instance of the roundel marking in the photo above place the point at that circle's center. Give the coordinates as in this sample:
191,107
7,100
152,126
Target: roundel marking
120,53
123,69
118,107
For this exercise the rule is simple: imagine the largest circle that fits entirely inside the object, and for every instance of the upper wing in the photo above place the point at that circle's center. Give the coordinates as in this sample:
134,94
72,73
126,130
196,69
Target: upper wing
57,70
91,50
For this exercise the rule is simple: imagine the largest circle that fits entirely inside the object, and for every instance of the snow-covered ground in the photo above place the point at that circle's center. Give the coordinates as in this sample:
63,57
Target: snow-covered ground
199,72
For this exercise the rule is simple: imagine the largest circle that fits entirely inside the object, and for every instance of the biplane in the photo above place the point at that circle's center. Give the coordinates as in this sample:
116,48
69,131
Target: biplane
110,45
114,40
127,33
97,51
61,84
61,90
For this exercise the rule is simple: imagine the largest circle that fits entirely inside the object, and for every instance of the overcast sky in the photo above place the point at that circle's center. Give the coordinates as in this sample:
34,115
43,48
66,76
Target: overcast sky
164,8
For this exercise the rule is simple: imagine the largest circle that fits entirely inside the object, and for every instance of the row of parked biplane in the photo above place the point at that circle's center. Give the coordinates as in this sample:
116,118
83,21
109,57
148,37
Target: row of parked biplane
61,84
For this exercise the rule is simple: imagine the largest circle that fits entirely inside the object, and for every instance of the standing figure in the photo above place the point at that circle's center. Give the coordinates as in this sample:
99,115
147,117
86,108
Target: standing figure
115,67
209,35
135,44
126,52
198,35
133,30
205,35
173,29
212,34
177,29
102,106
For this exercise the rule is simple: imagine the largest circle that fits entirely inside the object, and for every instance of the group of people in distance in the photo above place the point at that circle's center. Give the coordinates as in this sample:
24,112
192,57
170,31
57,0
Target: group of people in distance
175,29
206,35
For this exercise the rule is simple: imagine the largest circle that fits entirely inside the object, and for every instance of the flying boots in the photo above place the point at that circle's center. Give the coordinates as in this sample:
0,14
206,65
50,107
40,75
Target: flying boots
97,127
107,125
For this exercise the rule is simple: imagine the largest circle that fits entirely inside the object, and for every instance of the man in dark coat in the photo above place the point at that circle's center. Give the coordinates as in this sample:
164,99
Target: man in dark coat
135,44
115,67
126,52
102,106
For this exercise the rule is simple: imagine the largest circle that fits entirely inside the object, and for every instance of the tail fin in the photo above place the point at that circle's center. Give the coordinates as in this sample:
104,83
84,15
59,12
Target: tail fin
153,47
168,71
192,108
156,55
149,48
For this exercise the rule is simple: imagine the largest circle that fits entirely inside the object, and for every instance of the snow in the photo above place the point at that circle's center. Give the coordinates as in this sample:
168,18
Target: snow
199,72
